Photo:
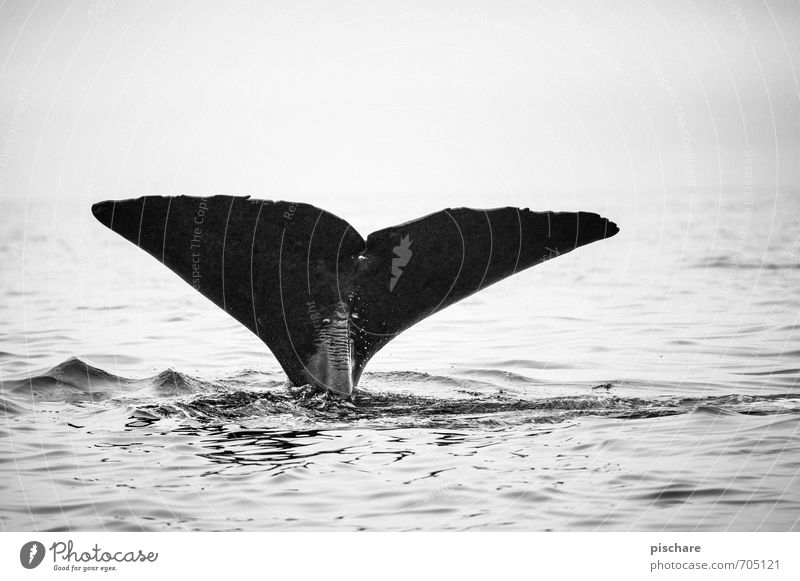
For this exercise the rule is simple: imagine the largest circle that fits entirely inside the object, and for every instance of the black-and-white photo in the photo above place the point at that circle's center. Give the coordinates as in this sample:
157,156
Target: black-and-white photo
398,266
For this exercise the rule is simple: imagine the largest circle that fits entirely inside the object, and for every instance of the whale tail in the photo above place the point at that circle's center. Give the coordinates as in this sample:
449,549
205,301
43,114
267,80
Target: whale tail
323,299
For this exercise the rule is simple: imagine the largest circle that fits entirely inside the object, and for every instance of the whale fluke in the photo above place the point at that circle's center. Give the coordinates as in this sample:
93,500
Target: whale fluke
322,298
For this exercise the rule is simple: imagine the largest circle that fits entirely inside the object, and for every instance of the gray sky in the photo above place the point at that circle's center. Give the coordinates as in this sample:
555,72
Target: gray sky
446,102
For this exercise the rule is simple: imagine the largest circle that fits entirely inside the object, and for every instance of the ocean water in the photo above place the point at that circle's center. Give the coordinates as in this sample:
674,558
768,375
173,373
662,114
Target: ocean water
645,382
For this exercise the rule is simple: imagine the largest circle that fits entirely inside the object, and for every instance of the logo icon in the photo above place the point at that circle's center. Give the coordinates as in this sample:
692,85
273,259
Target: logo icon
31,554
402,255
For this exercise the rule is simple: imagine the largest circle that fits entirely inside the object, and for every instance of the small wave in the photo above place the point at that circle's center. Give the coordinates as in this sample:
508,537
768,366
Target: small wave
410,377
681,493
473,397
75,371
728,262
498,376
712,410
75,376
175,380
387,408
787,371
311,403
530,364
72,375
473,382
747,404
8,408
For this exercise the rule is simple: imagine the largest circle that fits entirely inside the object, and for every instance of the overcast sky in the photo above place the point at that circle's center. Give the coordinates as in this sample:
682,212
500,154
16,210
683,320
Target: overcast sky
329,102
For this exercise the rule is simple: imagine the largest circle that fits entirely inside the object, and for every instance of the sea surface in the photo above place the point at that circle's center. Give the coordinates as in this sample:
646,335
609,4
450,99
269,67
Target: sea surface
645,382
